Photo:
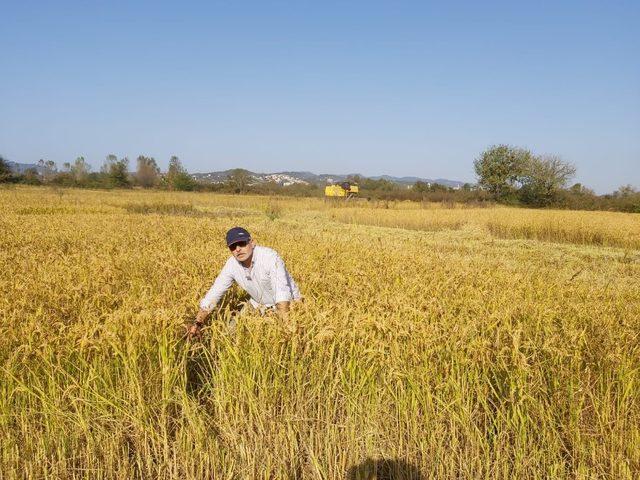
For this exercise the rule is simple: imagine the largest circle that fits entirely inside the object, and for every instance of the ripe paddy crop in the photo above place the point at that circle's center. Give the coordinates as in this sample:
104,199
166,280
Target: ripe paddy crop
447,342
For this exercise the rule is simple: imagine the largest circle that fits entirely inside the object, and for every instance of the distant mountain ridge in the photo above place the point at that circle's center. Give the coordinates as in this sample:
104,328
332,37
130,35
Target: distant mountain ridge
306,178
281,178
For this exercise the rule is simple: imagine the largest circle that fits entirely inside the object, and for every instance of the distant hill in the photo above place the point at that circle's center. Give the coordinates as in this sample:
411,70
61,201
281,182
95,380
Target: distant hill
306,178
281,178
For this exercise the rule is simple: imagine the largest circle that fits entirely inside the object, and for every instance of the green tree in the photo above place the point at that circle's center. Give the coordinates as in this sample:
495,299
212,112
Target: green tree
425,187
5,171
48,169
108,161
625,191
147,171
500,170
625,199
177,176
115,172
438,187
80,170
579,189
31,177
238,180
421,187
544,177
382,184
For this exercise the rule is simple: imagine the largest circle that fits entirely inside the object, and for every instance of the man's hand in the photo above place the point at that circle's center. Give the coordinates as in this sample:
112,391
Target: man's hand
202,316
282,308
195,329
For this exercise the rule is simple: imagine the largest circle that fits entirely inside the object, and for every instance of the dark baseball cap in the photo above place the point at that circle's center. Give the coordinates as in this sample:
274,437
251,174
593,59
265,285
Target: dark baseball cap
237,234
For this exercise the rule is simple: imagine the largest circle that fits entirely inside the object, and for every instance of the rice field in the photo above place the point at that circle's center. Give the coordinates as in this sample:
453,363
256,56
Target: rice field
449,343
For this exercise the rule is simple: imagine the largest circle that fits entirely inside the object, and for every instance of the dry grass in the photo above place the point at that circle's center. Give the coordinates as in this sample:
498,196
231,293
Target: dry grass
560,226
447,354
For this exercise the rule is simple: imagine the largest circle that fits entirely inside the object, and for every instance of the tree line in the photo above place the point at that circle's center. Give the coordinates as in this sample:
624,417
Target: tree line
505,174
517,176
114,173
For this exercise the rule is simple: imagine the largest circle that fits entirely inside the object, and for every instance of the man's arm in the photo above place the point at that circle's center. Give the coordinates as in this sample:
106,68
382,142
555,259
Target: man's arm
222,283
281,288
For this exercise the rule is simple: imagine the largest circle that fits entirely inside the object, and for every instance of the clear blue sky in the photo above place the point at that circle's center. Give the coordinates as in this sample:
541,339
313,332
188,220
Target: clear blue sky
399,88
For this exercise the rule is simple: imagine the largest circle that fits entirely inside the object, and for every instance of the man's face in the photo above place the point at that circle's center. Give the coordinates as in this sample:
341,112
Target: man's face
242,250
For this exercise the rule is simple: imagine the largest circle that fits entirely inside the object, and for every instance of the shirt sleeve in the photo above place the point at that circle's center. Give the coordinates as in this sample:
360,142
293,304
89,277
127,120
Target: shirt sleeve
295,291
280,281
222,283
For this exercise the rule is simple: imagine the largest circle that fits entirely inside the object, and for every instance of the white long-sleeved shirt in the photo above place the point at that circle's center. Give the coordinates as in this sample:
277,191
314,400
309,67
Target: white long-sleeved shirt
267,280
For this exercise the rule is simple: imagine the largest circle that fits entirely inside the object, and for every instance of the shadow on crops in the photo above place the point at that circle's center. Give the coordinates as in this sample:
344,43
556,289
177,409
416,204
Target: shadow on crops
201,361
384,469
198,370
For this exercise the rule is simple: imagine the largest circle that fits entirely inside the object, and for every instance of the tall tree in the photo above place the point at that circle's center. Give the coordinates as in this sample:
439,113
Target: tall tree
381,184
500,169
115,172
579,189
147,171
5,171
48,169
108,161
625,191
543,179
119,173
31,176
80,170
238,180
177,176
421,187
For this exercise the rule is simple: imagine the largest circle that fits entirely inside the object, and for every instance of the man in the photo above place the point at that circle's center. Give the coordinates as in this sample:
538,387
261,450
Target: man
258,270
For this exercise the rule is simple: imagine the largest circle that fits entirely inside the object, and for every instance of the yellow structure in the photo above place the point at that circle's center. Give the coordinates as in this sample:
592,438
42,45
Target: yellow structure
344,189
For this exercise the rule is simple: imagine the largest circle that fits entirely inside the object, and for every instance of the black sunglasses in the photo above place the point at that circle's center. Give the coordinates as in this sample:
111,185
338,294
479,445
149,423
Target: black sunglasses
241,244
